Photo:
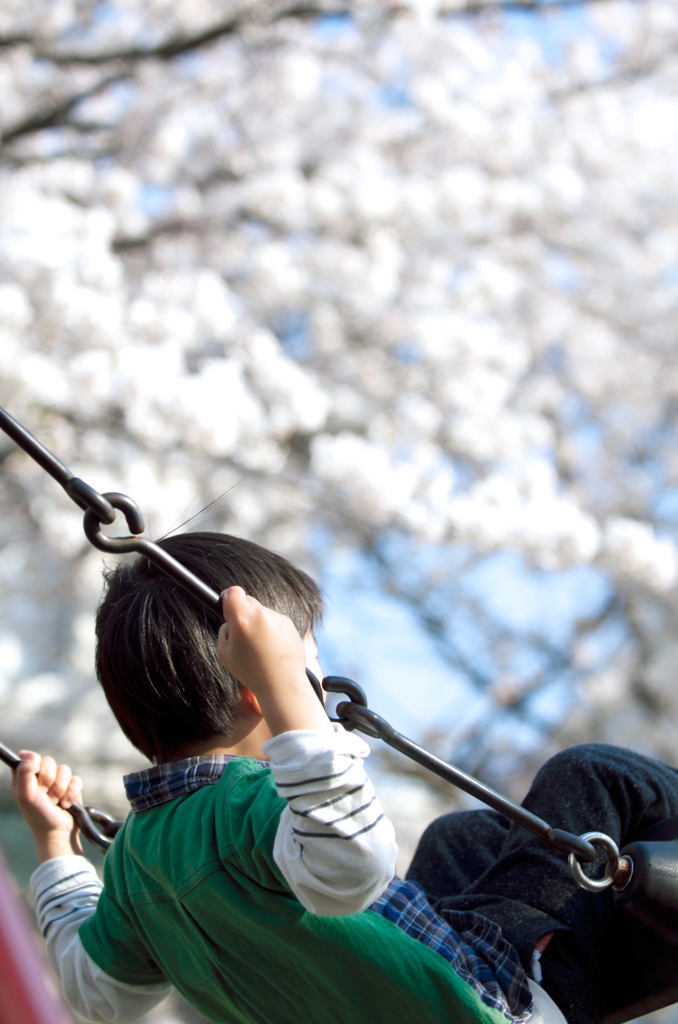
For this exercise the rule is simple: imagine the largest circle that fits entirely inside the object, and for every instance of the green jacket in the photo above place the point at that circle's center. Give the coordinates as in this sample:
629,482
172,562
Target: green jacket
192,895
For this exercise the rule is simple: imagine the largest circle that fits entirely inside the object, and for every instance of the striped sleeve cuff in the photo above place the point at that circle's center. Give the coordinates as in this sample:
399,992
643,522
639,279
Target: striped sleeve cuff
64,887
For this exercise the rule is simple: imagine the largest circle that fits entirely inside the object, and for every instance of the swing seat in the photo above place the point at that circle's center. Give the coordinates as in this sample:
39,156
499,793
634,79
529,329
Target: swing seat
651,895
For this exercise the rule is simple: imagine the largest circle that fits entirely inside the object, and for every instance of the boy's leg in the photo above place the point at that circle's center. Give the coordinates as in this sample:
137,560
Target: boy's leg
595,958
456,849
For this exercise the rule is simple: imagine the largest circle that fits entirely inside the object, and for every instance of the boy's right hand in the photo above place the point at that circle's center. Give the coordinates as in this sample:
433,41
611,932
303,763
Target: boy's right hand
44,791
265,653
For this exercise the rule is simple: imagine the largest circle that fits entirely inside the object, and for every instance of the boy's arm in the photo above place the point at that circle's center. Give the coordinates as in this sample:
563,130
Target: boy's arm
334,846
66,890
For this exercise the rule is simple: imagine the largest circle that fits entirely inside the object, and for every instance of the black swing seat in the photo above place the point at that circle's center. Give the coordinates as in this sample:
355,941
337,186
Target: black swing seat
651,895
652,891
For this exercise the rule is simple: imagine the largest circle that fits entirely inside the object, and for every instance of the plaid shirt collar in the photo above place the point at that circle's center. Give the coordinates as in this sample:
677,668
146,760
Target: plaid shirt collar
164,782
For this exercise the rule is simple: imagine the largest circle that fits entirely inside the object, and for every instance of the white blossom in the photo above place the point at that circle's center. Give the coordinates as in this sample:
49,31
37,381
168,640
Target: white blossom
632,549
400,277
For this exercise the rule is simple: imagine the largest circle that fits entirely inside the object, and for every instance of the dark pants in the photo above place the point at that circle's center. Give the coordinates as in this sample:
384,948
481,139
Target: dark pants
601,958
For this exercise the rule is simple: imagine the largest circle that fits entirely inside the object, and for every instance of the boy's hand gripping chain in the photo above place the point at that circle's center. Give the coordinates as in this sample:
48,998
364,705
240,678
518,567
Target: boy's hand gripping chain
97,826
353,714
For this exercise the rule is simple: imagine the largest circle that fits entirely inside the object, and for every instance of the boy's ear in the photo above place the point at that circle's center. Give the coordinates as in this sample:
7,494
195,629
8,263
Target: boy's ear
251,701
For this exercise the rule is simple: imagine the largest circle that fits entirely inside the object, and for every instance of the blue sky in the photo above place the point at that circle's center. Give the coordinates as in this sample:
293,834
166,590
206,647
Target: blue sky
373,638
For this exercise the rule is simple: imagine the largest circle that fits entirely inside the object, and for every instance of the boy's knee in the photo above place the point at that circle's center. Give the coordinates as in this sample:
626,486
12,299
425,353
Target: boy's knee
581,754
436,836
600,760
463,828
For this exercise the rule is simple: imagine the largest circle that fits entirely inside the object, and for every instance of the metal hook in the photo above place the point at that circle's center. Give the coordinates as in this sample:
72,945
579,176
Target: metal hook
355,694
617,870
141,545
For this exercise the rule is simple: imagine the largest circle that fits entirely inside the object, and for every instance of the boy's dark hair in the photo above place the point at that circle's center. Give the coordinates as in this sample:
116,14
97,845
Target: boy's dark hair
156,651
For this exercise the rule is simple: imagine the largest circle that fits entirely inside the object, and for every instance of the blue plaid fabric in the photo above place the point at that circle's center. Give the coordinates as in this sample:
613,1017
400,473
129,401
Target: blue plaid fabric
164,782
474,946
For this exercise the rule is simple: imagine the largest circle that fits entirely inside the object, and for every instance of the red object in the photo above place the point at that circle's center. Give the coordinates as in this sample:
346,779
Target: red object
29,994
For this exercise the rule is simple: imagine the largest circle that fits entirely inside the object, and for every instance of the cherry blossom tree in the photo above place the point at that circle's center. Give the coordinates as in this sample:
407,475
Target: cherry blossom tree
398,278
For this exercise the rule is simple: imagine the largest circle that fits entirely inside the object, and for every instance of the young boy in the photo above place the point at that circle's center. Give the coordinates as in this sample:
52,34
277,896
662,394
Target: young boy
255,873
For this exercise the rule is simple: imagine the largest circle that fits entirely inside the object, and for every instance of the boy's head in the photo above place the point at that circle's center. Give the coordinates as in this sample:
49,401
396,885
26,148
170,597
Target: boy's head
156,654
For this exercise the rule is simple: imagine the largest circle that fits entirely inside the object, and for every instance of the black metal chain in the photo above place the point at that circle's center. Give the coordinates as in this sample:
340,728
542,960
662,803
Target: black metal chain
353,714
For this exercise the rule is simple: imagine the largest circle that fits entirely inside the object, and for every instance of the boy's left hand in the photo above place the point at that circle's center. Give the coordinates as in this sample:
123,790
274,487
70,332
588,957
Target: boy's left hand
44,791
